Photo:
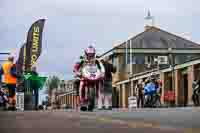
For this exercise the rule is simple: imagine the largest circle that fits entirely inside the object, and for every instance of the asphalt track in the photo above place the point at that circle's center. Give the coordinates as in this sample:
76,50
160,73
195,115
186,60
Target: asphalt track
184,120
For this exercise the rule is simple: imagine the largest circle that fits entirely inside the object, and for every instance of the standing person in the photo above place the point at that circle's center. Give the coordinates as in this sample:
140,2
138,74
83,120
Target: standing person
35,87
10,79
1,73
140,96
109,69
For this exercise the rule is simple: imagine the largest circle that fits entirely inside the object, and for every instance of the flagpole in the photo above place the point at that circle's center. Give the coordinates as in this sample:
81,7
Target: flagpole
126,52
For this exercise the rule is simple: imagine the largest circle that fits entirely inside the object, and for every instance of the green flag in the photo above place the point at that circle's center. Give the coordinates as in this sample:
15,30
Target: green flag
27,76
36,80
42,81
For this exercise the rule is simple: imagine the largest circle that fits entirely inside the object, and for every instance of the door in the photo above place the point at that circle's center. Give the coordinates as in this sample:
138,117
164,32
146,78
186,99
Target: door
185,89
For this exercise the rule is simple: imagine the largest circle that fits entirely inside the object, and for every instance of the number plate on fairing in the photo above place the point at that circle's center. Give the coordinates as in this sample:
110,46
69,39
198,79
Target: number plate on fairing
92,69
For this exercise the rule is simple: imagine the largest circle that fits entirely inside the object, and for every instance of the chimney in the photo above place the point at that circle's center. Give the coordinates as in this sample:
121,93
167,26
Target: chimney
147,27
149,21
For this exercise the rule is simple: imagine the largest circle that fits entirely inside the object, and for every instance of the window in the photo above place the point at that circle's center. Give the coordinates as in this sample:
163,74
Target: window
131,60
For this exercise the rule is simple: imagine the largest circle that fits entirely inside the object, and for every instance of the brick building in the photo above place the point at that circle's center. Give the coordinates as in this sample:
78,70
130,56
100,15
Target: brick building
67,97
137,57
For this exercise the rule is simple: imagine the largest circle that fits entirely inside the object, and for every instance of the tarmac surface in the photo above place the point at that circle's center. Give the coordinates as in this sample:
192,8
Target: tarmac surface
177,120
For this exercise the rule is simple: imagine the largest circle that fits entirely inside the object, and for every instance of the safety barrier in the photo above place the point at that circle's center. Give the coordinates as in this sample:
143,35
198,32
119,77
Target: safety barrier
20,101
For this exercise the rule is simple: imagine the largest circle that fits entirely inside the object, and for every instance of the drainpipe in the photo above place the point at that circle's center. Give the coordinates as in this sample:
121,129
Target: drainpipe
131,63
172,68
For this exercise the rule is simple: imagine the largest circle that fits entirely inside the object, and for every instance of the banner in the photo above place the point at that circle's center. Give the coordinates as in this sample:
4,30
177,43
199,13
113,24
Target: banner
21,59
34,43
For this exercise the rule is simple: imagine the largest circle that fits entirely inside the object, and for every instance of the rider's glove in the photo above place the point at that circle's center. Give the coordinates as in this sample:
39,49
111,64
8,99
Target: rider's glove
78,74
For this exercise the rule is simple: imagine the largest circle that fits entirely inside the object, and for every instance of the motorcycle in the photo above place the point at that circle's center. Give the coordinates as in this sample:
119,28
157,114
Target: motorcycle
196,95
91,79
153,101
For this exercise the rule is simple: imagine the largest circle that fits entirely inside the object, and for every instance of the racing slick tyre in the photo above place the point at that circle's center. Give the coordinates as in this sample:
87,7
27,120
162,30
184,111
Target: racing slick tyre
91,99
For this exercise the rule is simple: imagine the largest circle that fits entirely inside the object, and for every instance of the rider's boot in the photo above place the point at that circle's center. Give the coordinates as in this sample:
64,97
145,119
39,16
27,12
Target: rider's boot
81,97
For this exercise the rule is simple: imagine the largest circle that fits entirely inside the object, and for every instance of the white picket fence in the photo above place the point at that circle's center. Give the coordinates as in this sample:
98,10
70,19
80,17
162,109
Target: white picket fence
20,101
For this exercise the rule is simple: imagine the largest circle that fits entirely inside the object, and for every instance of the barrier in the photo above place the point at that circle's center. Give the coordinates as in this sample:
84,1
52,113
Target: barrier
20,101
132,102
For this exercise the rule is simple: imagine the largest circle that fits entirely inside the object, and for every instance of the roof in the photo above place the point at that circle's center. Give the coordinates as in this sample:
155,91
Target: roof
158,38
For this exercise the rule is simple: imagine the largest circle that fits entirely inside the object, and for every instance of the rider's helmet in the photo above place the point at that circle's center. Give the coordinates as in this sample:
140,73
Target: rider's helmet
153,76
90,52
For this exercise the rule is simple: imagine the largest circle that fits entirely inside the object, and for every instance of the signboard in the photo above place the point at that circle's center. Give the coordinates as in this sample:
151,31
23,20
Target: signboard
20,101
169,96
132,101
162,60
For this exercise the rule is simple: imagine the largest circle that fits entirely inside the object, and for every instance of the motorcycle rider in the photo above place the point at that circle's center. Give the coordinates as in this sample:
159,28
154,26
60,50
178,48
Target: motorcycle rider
151,87
89,57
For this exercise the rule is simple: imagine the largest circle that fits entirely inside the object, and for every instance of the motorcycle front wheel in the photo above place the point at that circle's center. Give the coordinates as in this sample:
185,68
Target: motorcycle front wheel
91,99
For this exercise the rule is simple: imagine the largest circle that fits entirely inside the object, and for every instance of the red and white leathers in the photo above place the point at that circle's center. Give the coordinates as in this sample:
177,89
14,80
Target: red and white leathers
84,83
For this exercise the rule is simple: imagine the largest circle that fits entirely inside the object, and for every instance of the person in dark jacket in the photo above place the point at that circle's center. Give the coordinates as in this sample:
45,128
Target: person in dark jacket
109,69
35,87
140,95
1,73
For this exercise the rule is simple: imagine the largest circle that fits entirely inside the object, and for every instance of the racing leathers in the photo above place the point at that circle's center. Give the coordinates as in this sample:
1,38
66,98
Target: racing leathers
83,84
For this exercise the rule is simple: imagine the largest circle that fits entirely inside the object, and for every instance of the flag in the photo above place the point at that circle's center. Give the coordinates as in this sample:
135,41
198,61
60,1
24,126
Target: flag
21,59
34,43
38,81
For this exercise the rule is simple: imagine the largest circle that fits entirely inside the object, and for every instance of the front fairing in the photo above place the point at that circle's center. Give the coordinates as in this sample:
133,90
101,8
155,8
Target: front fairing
90,71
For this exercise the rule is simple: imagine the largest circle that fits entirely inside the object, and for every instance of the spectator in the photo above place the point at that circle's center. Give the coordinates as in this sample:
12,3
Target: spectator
109,69
1,73
140,96
10,79
35,87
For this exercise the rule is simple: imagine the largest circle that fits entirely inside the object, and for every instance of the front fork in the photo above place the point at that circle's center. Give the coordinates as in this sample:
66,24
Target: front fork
84,88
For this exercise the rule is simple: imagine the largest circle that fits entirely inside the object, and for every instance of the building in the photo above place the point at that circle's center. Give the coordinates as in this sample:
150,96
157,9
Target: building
67,96
140,55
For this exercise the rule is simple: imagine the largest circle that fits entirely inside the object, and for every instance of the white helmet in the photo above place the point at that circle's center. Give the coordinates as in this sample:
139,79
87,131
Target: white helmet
153,76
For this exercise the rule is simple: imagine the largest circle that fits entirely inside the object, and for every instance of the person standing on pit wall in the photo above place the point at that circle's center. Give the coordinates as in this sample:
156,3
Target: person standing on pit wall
109,69
10,79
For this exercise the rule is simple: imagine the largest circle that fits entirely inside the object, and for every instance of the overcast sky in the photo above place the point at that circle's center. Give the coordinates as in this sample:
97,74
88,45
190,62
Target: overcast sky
73,25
